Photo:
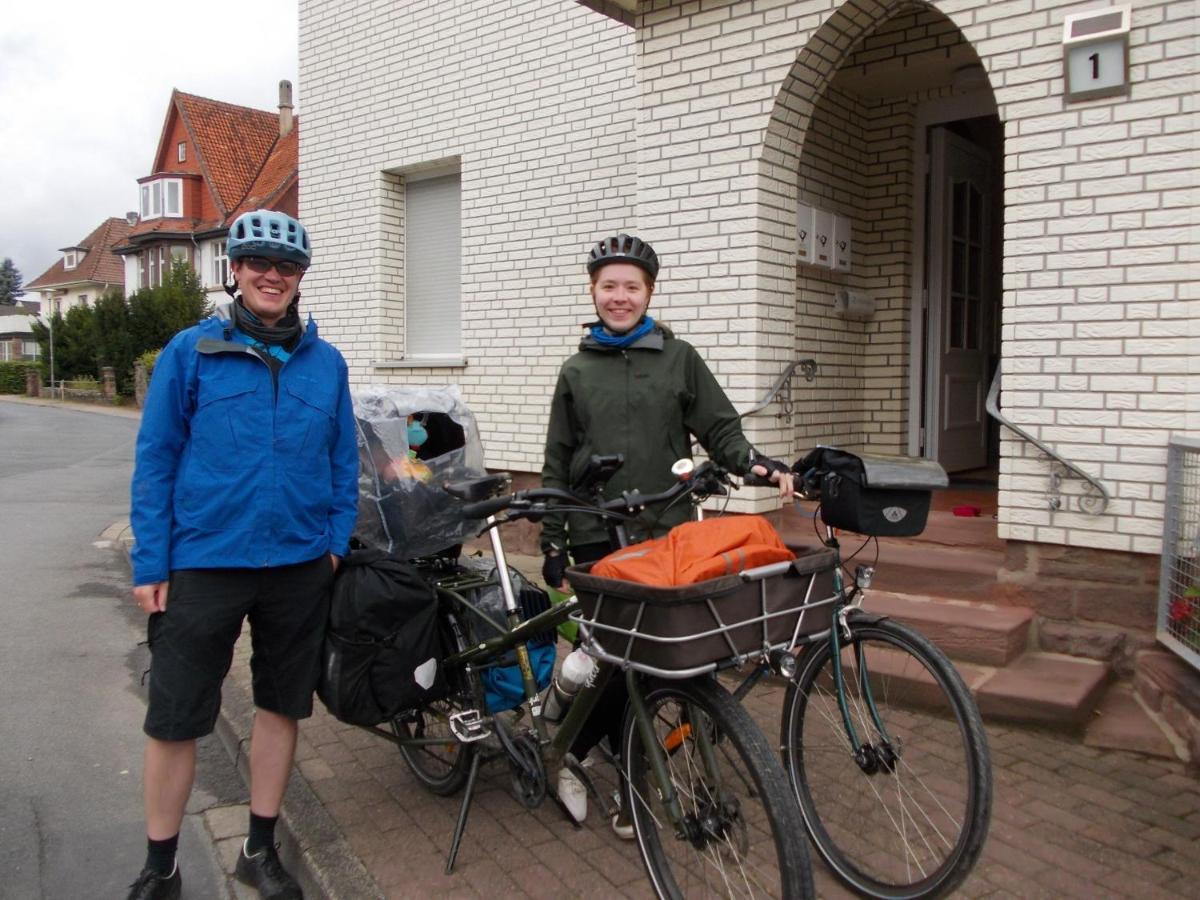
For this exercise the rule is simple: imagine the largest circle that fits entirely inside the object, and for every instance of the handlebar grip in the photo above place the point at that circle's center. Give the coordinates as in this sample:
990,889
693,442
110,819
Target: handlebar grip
485,508
752,480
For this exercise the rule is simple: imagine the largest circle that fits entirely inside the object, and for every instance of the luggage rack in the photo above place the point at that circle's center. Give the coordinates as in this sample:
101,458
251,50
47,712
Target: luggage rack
694,629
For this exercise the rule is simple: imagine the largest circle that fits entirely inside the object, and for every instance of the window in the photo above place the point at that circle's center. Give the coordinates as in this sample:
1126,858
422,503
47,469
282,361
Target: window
83,300
220,264
433,267
174,205
163,197
182,151
141,263
70,260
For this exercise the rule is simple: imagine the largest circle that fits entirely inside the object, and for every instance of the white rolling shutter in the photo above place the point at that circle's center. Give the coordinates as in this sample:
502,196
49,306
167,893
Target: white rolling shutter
433,267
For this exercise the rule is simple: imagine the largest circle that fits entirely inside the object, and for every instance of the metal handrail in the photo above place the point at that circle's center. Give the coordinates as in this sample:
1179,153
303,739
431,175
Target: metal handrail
807,366
1089,503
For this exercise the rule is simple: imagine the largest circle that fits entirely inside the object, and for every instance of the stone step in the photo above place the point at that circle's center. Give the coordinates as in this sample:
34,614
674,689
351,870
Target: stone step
972,632
957,558
1035,689
1123,721
1045,689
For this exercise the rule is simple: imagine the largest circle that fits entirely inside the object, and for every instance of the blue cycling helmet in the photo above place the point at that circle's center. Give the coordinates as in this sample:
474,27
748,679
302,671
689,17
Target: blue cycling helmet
265,232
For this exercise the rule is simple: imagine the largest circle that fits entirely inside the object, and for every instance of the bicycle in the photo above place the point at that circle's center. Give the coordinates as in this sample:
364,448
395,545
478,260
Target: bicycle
882,742
883,745
710,803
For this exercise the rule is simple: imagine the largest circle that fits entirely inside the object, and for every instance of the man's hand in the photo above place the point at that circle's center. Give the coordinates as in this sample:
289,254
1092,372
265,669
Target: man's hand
151,598
336,560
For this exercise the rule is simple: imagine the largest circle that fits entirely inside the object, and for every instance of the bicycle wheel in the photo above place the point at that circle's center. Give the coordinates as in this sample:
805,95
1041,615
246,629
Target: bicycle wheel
441,768
909,819
741,833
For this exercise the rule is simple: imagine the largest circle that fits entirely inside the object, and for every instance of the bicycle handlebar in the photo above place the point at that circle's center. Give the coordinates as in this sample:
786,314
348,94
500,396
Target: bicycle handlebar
708,478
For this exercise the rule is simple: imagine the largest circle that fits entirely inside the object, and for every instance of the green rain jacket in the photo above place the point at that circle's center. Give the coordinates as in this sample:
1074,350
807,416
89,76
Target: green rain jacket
644,401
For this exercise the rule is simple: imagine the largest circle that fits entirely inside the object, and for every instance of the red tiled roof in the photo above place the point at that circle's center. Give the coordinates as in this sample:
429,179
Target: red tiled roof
167,226
99,264
278,173
233,141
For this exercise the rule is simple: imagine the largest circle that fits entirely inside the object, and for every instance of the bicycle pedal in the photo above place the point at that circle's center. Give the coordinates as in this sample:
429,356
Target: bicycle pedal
468,726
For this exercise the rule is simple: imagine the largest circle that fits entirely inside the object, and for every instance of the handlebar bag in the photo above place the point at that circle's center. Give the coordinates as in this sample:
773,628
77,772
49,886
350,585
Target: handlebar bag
382,652
882,496
697,551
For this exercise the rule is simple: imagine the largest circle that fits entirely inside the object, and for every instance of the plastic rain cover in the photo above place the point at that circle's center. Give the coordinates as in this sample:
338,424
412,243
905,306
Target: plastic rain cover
402,507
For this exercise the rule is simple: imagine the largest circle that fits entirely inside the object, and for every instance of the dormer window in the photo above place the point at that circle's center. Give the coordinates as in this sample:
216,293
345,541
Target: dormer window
70,259
162,197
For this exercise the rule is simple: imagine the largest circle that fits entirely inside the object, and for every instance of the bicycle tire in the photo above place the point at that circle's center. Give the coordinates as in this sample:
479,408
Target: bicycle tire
753,803
442,773
914,831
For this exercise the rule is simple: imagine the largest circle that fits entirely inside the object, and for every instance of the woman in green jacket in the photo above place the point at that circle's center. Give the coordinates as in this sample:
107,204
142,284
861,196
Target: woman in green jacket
635,389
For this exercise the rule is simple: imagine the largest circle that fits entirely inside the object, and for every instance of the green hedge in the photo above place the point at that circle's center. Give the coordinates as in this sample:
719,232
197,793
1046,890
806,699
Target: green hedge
12,376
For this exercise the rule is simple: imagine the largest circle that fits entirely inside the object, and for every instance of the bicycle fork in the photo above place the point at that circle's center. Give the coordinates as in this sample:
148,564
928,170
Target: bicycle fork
871,758
689,730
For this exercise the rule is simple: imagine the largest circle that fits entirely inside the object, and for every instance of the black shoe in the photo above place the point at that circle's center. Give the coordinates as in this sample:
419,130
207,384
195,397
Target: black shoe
151,885
264,872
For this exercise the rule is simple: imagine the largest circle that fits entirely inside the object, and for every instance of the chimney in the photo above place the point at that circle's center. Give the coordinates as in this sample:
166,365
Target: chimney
285,108
131,218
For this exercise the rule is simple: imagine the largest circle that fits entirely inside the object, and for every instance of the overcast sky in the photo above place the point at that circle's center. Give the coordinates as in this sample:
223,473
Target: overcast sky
84,88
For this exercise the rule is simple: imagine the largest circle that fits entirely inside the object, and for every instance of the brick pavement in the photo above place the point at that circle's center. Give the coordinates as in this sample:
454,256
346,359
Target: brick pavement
1068,821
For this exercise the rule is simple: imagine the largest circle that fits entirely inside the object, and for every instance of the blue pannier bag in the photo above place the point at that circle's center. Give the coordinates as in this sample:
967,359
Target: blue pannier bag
502,684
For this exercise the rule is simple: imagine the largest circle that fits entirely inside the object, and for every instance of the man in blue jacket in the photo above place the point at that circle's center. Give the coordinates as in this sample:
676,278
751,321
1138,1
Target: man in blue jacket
243,500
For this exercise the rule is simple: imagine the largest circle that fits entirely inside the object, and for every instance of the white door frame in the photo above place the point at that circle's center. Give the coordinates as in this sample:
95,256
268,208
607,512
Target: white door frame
934,112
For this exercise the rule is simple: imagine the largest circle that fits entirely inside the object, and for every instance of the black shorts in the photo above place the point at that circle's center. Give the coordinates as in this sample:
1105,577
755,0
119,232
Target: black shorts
191,643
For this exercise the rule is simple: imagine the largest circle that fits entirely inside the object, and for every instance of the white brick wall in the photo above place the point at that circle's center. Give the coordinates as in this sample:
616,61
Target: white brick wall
537,103
692,128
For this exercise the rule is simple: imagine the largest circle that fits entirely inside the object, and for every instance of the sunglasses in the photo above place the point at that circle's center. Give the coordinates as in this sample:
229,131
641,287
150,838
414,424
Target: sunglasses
262,265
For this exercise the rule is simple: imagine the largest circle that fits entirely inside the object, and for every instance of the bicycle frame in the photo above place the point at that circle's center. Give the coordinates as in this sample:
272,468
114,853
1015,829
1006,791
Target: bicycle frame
840,626
514,636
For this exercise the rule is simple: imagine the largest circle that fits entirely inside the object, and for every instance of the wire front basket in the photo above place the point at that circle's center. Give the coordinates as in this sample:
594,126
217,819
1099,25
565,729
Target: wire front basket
680,632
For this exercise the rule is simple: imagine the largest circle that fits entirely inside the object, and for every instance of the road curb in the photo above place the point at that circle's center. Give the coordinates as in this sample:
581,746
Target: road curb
311,843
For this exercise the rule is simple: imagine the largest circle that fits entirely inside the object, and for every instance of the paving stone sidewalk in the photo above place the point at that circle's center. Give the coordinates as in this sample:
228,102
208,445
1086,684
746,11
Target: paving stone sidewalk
1068,821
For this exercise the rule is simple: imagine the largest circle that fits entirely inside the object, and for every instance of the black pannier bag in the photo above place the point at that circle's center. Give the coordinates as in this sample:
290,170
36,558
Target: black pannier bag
881,496
382,650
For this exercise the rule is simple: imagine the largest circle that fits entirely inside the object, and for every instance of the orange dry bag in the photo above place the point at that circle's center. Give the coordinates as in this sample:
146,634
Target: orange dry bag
697,551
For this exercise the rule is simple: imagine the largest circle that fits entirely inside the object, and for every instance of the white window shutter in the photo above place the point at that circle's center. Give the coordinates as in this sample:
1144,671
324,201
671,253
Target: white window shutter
433,267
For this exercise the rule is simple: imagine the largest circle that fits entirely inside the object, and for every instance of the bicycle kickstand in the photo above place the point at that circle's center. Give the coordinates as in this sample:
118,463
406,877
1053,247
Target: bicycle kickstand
463,812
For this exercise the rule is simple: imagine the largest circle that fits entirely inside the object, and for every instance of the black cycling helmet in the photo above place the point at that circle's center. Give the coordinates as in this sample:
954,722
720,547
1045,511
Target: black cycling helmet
623,248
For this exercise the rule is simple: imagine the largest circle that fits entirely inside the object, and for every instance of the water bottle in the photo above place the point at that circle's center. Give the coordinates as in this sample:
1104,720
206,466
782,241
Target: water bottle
576,670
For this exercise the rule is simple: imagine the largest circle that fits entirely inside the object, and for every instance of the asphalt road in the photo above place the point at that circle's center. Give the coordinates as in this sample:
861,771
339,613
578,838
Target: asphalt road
71,701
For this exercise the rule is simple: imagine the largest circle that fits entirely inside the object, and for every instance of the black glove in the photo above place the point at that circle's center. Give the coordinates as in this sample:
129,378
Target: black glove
771,465
554,568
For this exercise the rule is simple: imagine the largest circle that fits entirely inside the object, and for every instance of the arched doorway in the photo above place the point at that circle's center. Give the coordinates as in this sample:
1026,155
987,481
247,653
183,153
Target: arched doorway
887,122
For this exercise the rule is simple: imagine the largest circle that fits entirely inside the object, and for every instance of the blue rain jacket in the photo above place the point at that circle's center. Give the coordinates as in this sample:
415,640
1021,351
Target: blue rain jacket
229,475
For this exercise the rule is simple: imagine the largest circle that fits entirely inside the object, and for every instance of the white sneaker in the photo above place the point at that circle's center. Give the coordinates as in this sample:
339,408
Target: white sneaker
573,794
621,828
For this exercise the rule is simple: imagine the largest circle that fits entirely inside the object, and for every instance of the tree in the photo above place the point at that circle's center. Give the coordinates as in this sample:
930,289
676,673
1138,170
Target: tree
115,331
10,283
74,344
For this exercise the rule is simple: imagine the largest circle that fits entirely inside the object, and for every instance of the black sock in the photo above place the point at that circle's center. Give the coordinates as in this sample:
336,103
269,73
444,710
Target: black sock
262,833
160,855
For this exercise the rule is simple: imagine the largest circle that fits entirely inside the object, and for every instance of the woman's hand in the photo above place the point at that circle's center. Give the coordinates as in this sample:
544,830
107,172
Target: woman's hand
554,569
777,473
151,598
